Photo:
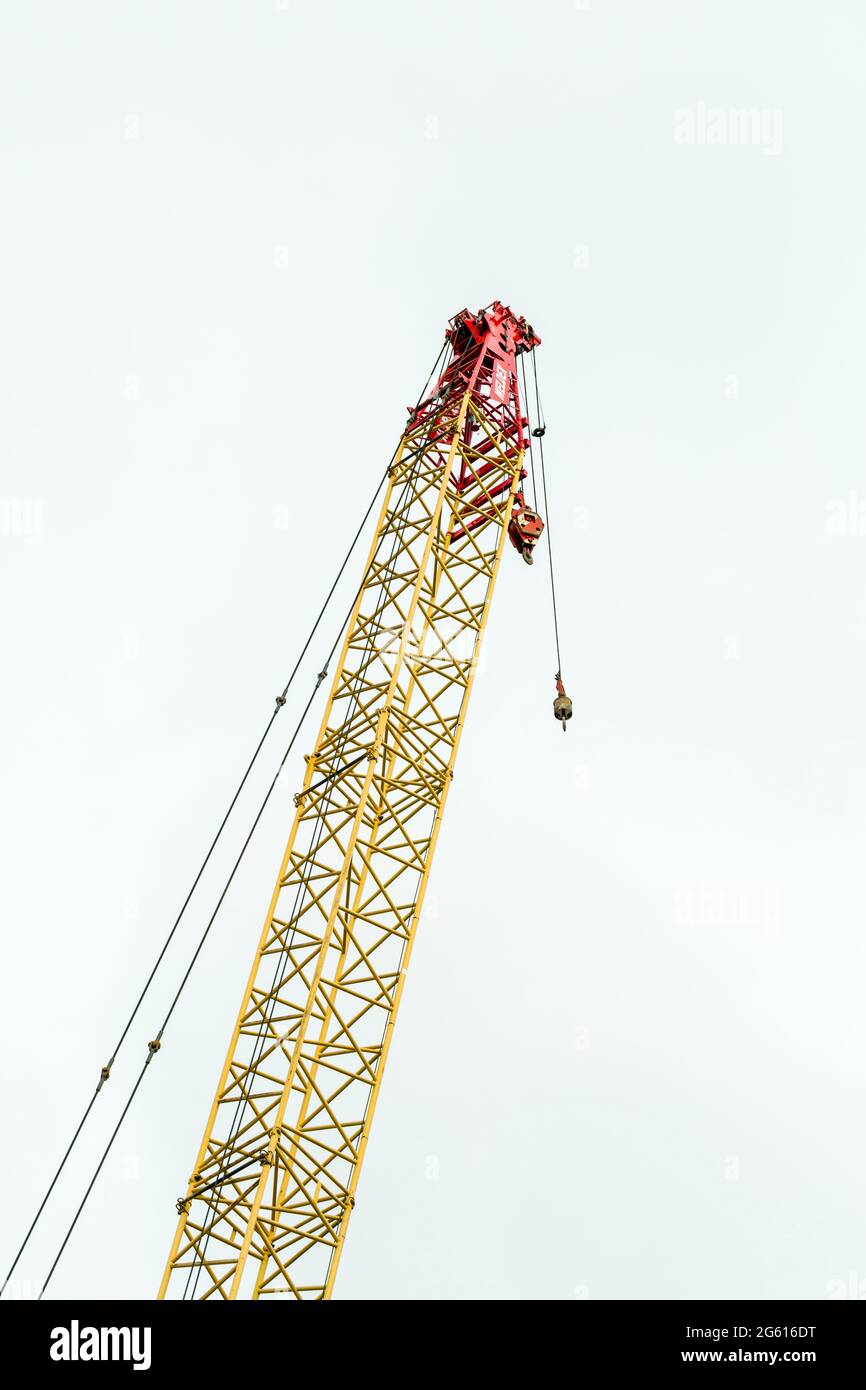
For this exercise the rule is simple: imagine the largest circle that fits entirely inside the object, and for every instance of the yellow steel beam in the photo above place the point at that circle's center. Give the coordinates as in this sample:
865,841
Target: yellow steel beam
268,1204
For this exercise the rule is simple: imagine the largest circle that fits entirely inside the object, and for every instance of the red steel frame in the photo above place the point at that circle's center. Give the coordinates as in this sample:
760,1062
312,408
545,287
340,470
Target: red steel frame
485,347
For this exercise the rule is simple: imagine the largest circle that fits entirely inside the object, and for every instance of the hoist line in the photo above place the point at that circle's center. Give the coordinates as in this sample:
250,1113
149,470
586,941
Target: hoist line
529,441
542,427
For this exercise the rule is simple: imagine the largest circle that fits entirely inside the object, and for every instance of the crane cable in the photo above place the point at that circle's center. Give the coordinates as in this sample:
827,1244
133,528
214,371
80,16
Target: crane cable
154,1045
242,1103
278,706
540,437
531,454
106,1070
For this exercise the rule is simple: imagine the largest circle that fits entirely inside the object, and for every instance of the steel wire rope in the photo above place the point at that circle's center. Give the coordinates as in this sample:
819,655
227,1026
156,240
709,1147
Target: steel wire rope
106,1070
153,1048
542,427
531,454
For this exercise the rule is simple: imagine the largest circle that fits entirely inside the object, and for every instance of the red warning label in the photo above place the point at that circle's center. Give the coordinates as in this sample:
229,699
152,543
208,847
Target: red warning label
499,385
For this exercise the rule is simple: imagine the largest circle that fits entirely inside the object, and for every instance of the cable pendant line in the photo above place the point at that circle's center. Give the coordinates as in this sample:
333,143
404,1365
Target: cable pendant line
540,438
106,1070
154,1045
280,702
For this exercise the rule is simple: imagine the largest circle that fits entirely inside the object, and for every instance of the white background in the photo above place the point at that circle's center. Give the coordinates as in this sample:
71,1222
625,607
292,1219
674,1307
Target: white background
630,1061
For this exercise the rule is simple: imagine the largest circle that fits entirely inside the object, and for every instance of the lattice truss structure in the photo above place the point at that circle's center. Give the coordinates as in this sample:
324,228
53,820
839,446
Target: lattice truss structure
274,1184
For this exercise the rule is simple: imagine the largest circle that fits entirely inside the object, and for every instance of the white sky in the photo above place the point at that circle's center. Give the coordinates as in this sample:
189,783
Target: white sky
630,1060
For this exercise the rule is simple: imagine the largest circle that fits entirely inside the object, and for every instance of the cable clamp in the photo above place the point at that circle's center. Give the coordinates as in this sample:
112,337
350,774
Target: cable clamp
281,700
539,432
182,1206
321,676
153,1046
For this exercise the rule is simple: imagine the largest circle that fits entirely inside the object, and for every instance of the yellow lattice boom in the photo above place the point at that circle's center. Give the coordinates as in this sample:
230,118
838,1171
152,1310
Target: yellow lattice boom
268,1204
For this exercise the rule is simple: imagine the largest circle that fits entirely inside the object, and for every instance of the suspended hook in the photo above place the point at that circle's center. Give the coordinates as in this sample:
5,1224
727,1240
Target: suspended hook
524,528
561,705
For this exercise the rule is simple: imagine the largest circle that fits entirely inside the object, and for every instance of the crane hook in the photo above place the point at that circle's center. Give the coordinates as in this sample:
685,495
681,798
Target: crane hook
524,528
561,705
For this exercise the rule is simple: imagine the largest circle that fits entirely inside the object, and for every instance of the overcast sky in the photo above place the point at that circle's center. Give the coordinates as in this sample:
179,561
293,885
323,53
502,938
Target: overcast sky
630,1058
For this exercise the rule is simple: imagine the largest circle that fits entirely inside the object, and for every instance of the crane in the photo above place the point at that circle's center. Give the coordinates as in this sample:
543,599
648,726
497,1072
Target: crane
268,1205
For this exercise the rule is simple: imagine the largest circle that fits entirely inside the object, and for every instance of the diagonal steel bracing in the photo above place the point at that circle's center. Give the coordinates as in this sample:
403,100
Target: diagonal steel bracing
269,1201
